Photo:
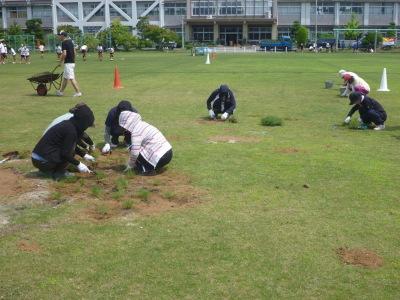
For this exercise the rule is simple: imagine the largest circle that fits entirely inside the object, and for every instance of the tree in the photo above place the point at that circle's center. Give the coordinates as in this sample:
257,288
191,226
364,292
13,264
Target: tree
14,29
153,34
391,32
353,24
71,30
91,41
120,34
301,35
295,27
34,27
369,40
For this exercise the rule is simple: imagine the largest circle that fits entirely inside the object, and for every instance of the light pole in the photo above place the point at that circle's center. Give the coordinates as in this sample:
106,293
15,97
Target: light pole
183,34
316,24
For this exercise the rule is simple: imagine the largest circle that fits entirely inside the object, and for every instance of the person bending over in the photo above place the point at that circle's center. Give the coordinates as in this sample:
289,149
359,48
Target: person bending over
353,83
221,101
150,150
112,130
370,110
56,149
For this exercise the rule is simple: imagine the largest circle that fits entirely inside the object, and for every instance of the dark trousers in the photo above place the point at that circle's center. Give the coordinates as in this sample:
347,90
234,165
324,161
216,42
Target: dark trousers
50,168
373,116
143,167
117,132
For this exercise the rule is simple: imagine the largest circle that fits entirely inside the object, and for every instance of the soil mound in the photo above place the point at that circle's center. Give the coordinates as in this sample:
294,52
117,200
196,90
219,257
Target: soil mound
360,257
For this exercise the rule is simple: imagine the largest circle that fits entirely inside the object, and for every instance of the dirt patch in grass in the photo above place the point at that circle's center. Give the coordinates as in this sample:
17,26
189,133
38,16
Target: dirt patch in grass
29,246
111,193
289,150
231,139
360,257
12,183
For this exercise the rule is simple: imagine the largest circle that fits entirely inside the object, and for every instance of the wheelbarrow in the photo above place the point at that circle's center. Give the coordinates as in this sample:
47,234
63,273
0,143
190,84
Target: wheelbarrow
42,82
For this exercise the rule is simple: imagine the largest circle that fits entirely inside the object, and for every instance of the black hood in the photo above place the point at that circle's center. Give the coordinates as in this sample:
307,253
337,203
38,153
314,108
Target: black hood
124,105
223,90
355,97
83,118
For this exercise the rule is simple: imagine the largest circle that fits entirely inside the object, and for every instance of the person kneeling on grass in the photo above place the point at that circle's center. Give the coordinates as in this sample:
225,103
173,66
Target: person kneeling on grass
85,143
371,111
56,149
150,150
221,101
112,130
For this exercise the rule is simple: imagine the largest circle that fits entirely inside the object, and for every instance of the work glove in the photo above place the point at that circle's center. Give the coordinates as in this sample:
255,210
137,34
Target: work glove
83,168
211,113
128,168
347,120
90,158
106,149
224,116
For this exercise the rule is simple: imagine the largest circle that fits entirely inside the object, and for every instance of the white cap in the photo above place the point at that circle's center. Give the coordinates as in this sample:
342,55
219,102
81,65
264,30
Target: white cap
341,72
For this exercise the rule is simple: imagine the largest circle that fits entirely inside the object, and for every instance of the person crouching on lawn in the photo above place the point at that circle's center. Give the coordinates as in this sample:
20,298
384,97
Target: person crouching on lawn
221,101
113,131
371,111
56,149
353,83
150,151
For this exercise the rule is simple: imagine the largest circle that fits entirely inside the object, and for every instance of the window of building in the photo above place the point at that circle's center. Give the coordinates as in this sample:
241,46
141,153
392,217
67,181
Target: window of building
258,33
142,6
349,8
41,11
71,7
175,8
177,30
203,8
203,33
91,29
88,7
126,7
289,9
17,12
325,8
231,8
381,9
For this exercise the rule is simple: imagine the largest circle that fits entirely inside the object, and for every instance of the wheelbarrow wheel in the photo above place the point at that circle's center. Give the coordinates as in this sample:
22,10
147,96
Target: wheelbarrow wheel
41,89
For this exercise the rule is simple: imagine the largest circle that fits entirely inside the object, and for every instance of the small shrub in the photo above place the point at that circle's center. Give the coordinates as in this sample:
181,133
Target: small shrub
127,204
96,191
169,195
271,121
143,194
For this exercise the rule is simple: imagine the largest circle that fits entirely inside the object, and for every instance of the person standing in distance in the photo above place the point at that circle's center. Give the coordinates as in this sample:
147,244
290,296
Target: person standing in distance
68,57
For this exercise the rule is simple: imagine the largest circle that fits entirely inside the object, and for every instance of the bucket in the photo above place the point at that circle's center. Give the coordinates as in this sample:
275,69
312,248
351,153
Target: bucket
328,84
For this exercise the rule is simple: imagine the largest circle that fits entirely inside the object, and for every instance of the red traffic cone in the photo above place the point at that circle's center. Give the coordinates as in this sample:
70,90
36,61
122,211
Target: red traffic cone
117,80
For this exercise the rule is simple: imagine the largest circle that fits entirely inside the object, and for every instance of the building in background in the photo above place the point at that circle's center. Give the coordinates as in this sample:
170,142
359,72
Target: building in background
227,22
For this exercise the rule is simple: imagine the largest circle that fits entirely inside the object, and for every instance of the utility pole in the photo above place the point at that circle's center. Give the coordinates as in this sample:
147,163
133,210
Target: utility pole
183,34
316,23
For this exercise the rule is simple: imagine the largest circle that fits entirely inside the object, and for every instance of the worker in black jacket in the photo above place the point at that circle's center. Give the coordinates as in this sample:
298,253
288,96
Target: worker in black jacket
56,149
221,101
371,111
112,130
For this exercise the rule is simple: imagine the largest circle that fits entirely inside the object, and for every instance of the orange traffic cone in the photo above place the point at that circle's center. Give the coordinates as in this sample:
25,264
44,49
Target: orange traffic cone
117,80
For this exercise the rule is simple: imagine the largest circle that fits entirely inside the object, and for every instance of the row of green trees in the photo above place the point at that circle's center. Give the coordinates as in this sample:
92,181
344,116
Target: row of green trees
33,27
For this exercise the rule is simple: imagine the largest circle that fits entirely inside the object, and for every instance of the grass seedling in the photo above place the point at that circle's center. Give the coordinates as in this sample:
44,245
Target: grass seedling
169,195
117,195
127,204
100,175
143,194
71,179
271,121
96,191
354,124
121,184
102,210
156,182
56,196
233,119
130,174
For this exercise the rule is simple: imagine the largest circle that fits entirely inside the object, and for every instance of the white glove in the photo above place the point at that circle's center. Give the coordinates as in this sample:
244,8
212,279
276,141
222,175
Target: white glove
211,113
88,157
83,168
106,148
128,168
92,148
347,120
224,116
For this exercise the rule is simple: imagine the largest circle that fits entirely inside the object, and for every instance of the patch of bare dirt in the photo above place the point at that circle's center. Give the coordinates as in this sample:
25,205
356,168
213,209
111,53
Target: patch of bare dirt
232,139
360,257
207,121
12,183
111,193
28,246
289,150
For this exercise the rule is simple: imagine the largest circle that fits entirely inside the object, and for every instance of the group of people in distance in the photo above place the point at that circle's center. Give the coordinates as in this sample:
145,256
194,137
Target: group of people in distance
149,149
370,110
100,50
23,51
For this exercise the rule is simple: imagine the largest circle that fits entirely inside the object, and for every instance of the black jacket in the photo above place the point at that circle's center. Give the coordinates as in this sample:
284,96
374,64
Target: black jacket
365,105
222,100
112,120
58,144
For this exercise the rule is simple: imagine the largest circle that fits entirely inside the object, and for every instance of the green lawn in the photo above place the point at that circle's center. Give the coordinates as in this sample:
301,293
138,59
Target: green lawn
258,233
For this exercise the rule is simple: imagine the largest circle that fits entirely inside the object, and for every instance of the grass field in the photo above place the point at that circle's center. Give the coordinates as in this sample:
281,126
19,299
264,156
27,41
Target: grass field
275,206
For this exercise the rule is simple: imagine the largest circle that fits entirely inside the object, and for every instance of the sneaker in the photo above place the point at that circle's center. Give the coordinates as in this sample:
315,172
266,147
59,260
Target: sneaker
58,93
379,127
78,94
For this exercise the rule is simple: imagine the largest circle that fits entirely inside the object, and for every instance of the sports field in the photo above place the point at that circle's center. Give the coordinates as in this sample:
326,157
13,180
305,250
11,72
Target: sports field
242,212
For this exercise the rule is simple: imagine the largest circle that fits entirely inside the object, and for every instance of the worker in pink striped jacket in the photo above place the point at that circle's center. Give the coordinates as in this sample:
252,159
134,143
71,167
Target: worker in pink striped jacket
150,150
